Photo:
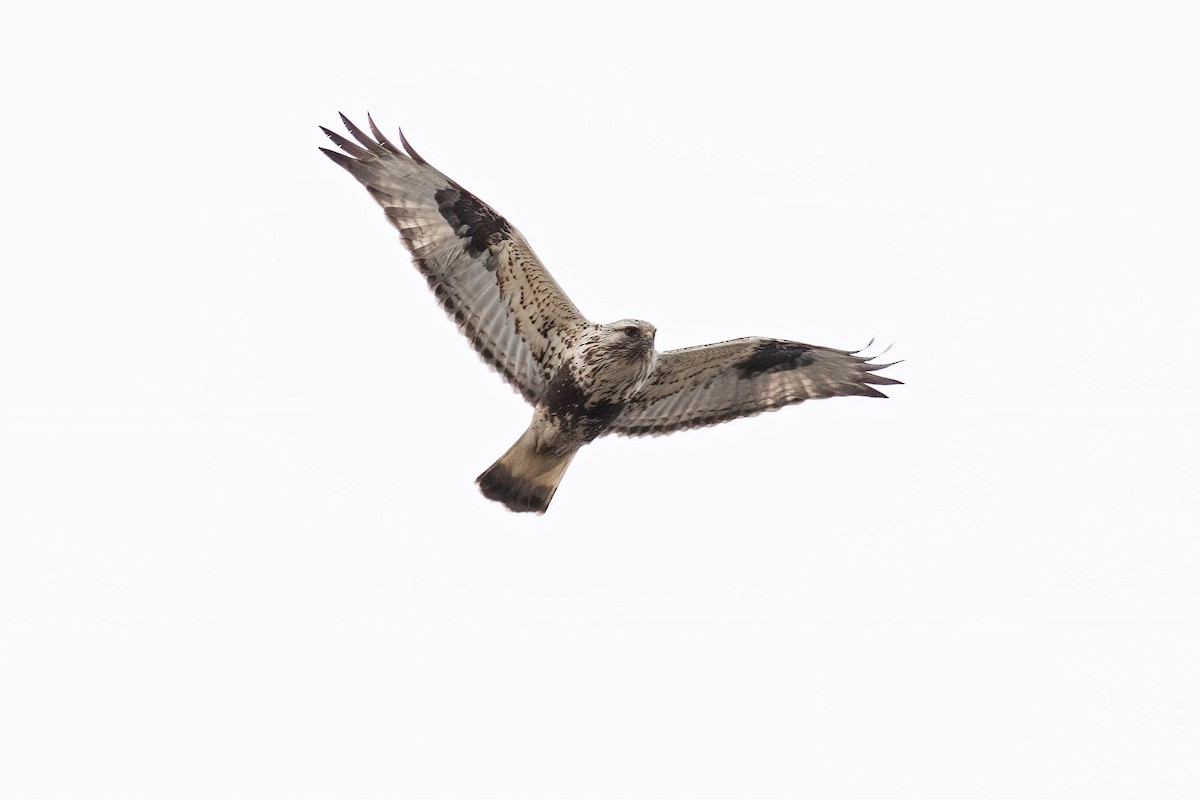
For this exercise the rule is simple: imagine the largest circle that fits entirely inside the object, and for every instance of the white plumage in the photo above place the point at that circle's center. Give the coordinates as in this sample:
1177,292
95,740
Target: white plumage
584,379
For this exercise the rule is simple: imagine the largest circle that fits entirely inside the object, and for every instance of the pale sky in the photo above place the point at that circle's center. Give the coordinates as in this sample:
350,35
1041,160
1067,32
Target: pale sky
241,550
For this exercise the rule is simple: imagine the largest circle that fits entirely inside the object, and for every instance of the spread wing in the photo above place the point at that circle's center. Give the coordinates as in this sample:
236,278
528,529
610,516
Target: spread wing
481,269
699,386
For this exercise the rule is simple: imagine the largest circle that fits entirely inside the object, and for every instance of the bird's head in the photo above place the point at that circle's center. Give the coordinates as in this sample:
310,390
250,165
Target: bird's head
623,351
633,336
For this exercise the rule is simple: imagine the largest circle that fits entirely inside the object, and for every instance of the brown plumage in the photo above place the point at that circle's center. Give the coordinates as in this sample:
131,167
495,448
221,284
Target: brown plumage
584,379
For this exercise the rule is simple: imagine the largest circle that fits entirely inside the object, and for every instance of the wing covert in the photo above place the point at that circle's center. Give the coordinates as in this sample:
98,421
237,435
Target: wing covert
713,383
482,271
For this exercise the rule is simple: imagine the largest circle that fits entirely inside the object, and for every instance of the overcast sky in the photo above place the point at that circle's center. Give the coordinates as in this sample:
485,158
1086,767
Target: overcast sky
241,550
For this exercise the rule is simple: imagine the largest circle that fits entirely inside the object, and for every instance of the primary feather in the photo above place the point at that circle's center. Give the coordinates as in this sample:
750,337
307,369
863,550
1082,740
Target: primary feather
584,379
480,268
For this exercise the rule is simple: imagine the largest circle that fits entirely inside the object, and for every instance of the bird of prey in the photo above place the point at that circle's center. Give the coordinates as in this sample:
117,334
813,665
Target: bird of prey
583,379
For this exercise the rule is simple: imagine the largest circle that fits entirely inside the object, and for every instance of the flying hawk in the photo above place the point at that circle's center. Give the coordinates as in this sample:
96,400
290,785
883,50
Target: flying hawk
583,379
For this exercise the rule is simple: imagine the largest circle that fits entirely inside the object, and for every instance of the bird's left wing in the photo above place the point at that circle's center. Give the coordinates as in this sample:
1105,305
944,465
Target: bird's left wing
481,269
712,383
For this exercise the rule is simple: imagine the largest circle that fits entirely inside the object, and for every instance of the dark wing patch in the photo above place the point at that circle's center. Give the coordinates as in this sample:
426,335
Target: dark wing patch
772,356
472,220
699,386
480,268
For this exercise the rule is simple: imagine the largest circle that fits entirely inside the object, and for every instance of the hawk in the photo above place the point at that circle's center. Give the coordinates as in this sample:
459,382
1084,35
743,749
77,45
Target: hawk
583,379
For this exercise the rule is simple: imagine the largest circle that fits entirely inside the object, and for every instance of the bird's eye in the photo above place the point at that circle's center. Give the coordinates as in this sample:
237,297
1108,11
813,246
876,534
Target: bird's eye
632,330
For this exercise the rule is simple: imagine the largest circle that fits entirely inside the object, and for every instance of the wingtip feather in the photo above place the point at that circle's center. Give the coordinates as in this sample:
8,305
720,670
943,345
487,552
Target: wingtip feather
383,140
408,148
347,145
341,159
362,138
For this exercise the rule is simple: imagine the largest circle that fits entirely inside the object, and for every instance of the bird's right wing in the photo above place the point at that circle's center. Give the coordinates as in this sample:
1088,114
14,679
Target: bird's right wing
481,269
712,383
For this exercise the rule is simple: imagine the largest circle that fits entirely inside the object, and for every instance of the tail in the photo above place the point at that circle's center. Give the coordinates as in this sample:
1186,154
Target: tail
525,478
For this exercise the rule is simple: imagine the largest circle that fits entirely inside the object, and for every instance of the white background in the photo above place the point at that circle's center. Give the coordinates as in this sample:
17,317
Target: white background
242,554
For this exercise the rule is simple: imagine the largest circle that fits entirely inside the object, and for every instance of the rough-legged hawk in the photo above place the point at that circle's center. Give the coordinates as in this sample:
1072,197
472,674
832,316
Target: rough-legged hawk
583,379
